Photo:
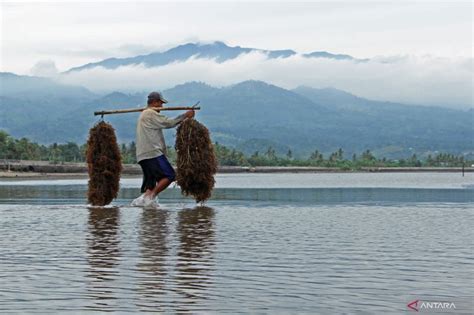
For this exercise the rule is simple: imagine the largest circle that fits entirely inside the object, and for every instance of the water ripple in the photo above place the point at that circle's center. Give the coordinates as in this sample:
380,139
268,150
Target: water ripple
235,258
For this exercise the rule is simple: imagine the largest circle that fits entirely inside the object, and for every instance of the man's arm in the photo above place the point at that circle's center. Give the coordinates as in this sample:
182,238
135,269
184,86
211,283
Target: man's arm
163,122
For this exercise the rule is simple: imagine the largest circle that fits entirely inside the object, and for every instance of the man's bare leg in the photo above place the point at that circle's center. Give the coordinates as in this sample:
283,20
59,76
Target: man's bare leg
160,186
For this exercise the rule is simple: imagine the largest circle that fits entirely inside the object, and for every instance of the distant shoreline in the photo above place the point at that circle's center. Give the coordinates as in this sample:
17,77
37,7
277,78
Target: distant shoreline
46,170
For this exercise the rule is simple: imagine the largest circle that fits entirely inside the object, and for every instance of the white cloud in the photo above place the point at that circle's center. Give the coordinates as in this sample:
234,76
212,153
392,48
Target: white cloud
76,33
44,68
422,80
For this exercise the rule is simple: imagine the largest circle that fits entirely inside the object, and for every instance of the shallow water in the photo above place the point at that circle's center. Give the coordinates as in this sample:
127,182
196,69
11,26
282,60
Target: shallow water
303,180
239,254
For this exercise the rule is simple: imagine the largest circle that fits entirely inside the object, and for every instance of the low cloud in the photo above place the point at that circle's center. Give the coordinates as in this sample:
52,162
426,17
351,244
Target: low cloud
424,80
44,68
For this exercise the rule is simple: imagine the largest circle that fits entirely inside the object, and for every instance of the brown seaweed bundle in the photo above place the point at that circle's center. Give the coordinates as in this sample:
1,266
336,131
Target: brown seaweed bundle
196,160
104,163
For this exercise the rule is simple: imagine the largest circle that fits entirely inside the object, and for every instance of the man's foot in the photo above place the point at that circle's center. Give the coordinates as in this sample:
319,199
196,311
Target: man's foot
150,203
139,202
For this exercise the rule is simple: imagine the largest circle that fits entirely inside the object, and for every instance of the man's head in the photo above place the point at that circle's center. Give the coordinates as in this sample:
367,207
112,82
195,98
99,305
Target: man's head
155,99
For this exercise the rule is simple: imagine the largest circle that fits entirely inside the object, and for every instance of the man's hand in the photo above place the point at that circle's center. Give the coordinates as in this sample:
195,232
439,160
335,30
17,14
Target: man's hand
189,114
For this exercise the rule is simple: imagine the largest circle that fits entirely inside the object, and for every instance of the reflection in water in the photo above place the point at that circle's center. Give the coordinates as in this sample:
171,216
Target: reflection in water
257,258
103,253
154,250
195,253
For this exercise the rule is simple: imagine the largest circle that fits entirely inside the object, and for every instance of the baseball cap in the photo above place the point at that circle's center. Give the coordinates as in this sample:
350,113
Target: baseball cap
156,96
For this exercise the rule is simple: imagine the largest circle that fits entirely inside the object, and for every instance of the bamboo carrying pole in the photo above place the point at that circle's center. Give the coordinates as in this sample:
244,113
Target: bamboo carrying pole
132,110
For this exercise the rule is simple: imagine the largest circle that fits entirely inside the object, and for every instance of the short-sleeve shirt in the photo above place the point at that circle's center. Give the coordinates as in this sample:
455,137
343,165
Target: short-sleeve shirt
150,139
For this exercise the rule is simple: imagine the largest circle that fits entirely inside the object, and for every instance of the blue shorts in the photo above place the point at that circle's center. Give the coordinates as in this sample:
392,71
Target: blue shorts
154,170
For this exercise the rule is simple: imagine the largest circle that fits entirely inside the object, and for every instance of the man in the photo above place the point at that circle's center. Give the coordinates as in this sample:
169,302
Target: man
151,150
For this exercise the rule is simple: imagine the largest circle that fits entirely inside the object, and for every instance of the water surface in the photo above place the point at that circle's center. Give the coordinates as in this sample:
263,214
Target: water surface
357,248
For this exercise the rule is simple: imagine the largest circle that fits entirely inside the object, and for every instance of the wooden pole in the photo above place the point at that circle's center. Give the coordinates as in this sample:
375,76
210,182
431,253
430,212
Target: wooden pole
132,110
122,111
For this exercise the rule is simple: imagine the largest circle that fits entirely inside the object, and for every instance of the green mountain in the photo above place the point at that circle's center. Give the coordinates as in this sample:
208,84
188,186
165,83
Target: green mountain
250,116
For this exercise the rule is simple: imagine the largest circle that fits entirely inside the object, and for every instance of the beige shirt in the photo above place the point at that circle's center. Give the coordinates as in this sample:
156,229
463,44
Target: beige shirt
150,139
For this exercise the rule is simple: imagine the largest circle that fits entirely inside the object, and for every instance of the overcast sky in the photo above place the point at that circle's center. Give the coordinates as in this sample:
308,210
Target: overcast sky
71,34
429,40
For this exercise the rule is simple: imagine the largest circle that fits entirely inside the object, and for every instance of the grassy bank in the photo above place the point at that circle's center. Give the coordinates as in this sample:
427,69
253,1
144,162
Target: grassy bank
21,168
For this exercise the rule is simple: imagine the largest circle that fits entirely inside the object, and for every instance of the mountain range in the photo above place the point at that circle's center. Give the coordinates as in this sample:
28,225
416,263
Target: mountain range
216,50
250,116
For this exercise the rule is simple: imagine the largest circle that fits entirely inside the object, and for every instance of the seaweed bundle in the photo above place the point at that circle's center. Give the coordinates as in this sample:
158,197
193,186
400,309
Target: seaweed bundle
196,160
104,164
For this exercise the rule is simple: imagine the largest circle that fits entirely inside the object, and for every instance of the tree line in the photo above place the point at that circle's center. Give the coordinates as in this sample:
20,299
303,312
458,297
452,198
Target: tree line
24,149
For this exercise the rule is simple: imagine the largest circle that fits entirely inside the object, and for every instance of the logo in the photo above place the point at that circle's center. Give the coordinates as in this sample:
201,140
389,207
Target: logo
418,305
413,305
